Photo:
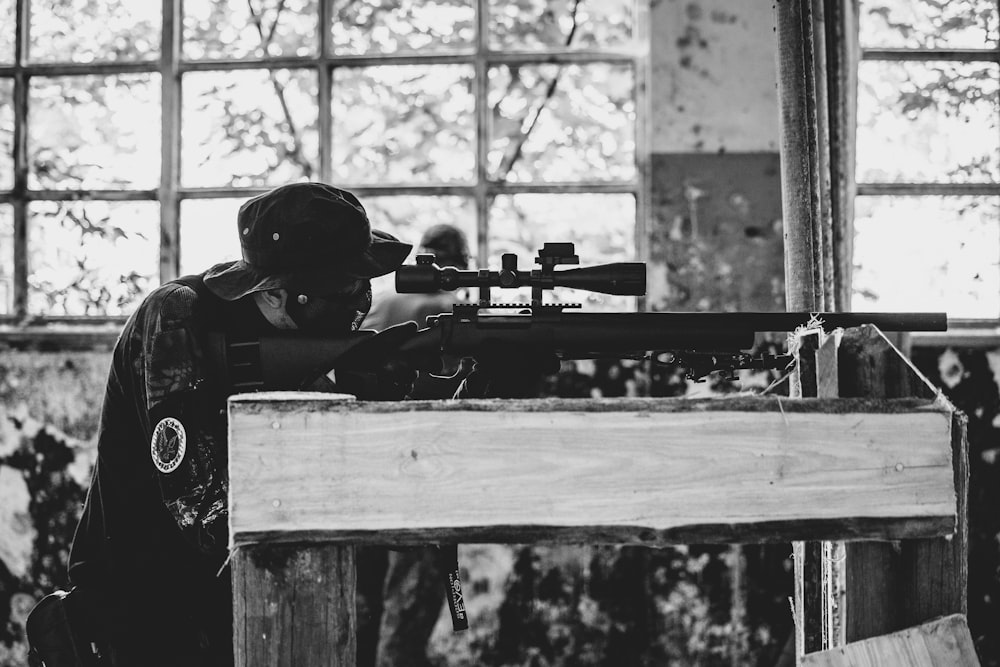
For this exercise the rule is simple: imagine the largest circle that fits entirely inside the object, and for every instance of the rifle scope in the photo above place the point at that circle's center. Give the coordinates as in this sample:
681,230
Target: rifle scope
627,278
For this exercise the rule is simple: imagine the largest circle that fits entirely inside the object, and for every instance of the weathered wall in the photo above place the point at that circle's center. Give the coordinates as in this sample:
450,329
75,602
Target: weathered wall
715,240
49,406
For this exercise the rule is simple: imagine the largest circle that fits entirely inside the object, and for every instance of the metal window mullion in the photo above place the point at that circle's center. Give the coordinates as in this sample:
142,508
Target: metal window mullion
324,71
482,88
170,120
79,69
76,195
927,189
641,82
19,202
925,55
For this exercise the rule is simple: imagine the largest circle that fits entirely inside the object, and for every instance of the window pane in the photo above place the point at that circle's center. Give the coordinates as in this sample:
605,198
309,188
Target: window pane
928,122
6,134
403,124
249,128
241,29
91,258
208,232
394,26
539,24
6,259
85,31
956,24
601,225
928,254
6,31
94,131
408,217
562,123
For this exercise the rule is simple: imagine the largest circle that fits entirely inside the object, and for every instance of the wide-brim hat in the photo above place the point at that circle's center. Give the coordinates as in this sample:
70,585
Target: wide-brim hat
311,237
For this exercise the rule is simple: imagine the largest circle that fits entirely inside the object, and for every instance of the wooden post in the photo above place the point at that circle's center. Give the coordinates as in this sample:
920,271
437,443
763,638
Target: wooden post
815,571
892,586
294,605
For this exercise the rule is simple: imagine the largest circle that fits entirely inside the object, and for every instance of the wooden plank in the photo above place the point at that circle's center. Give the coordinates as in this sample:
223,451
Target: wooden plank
891,586
294,605
587,470
945,642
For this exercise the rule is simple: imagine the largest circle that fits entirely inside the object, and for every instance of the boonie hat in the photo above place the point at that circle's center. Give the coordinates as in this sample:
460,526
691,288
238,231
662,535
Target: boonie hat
309,236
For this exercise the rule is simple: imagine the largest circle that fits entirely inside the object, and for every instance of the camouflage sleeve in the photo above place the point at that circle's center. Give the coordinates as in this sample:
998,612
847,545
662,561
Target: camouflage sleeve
187,422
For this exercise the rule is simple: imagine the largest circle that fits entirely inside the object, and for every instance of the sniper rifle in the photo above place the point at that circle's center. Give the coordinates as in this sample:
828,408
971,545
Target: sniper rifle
701,343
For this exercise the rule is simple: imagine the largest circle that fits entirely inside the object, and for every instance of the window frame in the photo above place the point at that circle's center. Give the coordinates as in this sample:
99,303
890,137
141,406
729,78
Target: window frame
21,329
963,332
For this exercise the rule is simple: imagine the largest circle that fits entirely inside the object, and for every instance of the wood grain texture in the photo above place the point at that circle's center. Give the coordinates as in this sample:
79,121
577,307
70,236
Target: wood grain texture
945,642
294,605
375,472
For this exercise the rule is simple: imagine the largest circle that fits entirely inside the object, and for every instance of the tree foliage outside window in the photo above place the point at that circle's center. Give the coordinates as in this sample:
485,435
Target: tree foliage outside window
252,79
928,158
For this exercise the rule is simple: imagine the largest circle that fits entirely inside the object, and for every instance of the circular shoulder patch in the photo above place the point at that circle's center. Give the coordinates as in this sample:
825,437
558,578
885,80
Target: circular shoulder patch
168,444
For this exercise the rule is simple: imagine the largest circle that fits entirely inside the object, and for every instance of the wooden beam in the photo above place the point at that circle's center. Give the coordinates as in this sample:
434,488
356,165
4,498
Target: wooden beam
624,471
945,641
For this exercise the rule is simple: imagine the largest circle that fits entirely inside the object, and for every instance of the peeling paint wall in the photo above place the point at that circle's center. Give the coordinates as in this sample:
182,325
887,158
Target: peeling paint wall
714,77
49,407
715,239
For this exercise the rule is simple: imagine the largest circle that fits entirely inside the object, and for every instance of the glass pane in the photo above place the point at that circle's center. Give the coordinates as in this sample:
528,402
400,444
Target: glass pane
928,254
394,26
6,134
601,225
91,258
208,232
85,31
94,131
6,259
955,24
6,32
562,123
540,24
242,29
928,122
403,124
408,217
249,128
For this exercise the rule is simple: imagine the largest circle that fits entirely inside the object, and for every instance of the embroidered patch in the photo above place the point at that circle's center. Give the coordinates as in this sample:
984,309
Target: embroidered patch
168,444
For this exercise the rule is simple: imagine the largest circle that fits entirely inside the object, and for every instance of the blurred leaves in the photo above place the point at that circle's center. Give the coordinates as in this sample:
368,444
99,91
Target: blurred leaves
249,127
215,29
397,26
91,258
6,31
404,124
929,24
94,131
928,121
93,30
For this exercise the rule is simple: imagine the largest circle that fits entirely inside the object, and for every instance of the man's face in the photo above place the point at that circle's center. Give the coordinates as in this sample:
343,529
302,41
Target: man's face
337,313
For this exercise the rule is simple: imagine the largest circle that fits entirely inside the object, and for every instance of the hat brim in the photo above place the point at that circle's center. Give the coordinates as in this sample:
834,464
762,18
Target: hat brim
234,280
